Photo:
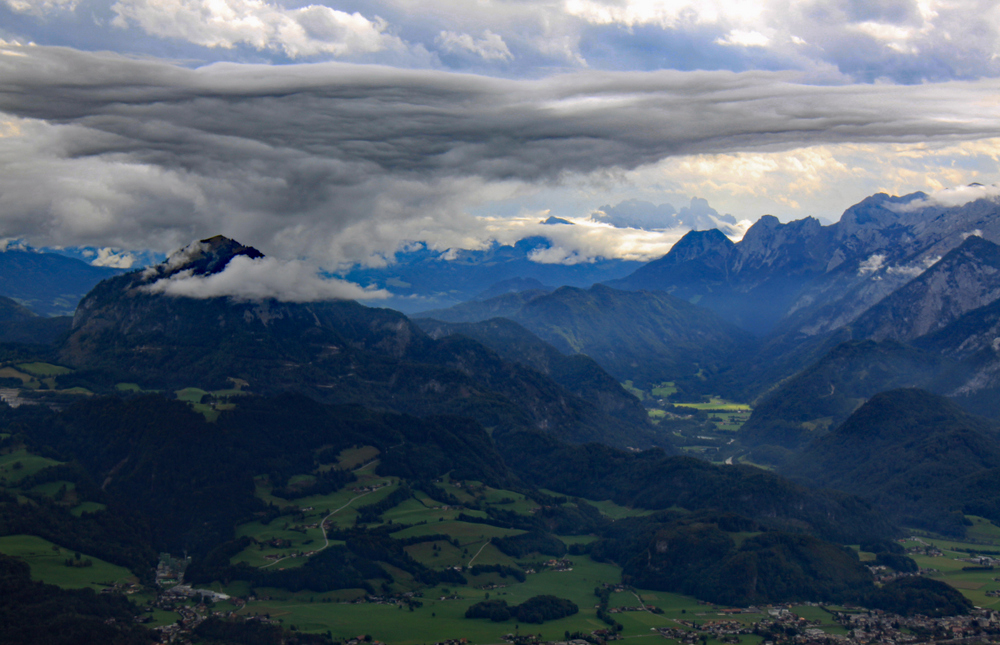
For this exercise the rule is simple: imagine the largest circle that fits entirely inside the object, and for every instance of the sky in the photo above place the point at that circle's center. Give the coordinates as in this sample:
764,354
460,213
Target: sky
332,133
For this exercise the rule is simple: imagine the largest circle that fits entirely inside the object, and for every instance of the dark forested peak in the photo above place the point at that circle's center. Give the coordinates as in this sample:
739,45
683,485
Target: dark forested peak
11,310
203,257
825,394
912,453
908,414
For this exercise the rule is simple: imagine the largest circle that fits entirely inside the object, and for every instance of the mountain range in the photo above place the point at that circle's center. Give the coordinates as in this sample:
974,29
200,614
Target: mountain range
49,284
237,429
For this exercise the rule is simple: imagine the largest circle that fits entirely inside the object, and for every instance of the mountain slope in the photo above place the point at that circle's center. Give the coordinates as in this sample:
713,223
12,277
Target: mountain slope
336,351
904,450
824,395
18,324
577,373
47,283
751,283
648,337
967,278
803,286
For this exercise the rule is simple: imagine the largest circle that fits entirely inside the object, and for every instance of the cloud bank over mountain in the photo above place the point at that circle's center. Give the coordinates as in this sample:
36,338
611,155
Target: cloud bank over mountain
265,278
344,163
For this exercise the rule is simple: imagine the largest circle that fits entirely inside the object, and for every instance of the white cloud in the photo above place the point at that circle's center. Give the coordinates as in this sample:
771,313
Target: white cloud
952,197
115,258
913,270
7,244
744,38
305,31
490,47
872,265
41,7
264,278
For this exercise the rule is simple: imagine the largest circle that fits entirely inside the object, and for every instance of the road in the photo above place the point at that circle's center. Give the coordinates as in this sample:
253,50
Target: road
322,527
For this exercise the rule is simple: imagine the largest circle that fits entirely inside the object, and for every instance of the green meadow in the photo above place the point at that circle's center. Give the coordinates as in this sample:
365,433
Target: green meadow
48,564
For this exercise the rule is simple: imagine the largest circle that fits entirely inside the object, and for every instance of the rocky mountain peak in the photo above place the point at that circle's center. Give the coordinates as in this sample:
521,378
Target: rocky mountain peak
706,245
204,257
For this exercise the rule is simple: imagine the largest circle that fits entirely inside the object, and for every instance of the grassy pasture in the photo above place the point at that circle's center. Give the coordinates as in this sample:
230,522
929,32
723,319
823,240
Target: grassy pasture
191,394
47,562
438,619
11,472
351,458
339,507
87,507
617,512
715,404
44,369
27,380
665,390
949,568
446,554
982,529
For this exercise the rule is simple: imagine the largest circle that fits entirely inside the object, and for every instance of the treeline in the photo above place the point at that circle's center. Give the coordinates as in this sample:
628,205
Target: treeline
535,610
918,595
324,483
697,555
192,481
218,631
120,538
371,513
33,613
518,546
348,566
654,480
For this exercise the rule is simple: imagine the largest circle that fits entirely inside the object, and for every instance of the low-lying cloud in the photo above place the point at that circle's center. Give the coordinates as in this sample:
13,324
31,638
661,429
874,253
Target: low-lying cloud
247,279
951,197
698,216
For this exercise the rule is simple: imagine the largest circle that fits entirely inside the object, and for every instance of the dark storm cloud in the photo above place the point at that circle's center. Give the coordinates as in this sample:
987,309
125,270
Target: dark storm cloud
337,161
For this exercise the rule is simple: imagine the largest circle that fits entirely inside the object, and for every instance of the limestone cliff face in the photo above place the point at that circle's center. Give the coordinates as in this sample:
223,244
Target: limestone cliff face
967,278
804,279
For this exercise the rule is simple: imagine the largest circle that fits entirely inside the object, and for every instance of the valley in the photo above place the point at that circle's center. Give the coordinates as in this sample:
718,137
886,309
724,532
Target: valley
765,441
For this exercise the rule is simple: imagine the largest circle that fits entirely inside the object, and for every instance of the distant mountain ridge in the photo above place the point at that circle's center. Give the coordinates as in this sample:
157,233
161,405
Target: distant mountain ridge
577,373
780,277
48,284
648,337
422,279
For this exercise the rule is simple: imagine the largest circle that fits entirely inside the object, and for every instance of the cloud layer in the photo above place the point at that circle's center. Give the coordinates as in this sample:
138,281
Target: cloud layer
246,279
904,41
343,163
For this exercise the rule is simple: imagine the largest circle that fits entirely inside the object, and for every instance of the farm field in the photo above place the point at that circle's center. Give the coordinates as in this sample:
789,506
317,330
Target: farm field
339,507
19,464
44,369
951,567
439,619
47,562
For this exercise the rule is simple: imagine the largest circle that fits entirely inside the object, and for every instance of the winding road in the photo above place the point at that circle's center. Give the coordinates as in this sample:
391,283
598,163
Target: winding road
322,527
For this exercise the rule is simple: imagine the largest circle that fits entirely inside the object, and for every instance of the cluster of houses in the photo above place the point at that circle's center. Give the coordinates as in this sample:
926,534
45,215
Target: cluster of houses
170,570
